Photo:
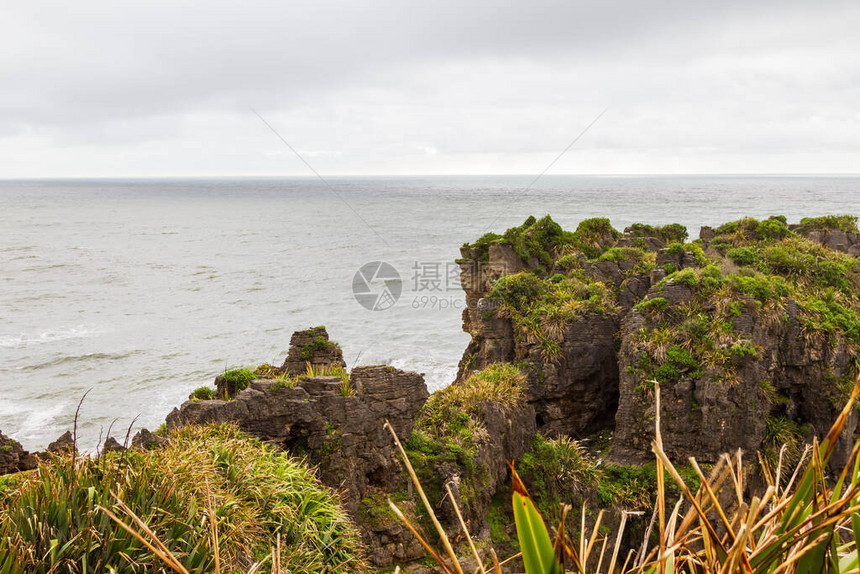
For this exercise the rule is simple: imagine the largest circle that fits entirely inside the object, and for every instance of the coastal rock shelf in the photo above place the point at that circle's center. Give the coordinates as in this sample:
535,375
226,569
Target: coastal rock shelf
336,422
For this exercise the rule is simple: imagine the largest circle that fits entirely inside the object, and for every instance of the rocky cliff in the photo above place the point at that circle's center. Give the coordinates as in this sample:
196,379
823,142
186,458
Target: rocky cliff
752,330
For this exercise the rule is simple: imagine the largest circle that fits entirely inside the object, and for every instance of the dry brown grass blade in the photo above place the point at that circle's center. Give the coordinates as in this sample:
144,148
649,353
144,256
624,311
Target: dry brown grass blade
497,568
430,550
711,486
685,489
626,561
643,552
168,558
602,551
618,536
821,520
143,526
447,543
510,559
560,545
661,487
798,554
837,427
592,539
582,531
673,521
213,527
465,530
276,557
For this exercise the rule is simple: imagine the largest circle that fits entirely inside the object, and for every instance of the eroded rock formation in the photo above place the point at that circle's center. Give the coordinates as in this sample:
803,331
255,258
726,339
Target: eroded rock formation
13,457
732,326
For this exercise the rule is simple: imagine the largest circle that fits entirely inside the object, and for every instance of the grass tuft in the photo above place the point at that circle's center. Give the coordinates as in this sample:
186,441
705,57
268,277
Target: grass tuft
51,520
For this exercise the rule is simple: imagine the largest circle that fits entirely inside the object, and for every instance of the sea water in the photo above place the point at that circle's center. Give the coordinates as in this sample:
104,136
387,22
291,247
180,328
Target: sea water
142,290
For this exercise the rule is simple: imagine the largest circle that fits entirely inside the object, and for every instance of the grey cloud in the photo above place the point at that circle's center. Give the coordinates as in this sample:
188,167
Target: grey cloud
361,78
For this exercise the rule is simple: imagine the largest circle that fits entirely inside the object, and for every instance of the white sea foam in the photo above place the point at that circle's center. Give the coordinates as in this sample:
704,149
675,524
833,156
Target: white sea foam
25,340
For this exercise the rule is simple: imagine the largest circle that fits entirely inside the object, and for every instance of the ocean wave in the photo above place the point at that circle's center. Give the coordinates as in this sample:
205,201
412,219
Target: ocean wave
24,340
79,359
36,421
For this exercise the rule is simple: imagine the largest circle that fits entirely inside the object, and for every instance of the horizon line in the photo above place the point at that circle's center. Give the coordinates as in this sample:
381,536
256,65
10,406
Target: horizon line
394,175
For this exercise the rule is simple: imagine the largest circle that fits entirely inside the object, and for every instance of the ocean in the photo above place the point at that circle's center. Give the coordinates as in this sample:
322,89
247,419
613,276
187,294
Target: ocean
142,290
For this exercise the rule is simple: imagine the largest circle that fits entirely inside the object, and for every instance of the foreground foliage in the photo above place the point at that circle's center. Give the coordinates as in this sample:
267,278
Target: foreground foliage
810,525
208,488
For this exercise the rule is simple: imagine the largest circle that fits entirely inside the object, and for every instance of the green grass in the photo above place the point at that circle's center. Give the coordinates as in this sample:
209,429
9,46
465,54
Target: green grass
237,380
449,429
673,232
320,343
203,394
50,520
846,223
557,470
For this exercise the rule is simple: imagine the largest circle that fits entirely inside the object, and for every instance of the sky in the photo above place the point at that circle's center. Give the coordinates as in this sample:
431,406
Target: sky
99,88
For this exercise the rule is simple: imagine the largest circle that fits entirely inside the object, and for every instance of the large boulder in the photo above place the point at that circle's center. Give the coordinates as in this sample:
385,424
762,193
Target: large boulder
13,457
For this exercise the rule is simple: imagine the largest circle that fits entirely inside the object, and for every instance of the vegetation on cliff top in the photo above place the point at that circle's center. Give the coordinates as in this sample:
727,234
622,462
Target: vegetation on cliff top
449,427
50,519
542,241
758,268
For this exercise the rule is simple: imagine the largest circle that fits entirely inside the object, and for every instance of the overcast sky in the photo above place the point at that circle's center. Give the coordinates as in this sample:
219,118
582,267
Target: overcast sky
160,88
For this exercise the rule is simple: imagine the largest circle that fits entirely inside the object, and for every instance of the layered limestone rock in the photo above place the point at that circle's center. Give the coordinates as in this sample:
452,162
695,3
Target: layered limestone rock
746,360
65,443
311,346
337,424
13,457
573,378
752,330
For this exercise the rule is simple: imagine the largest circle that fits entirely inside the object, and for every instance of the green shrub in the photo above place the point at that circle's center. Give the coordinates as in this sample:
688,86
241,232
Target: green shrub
320,343
556,470
760,287
284,382
502,383
686,277
535,238
743,349
673,232
652,305
520,290
203,394
52,521
619,254
772,229
634,487
742,255
237,380
846,223
678,362
832,274
675,249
